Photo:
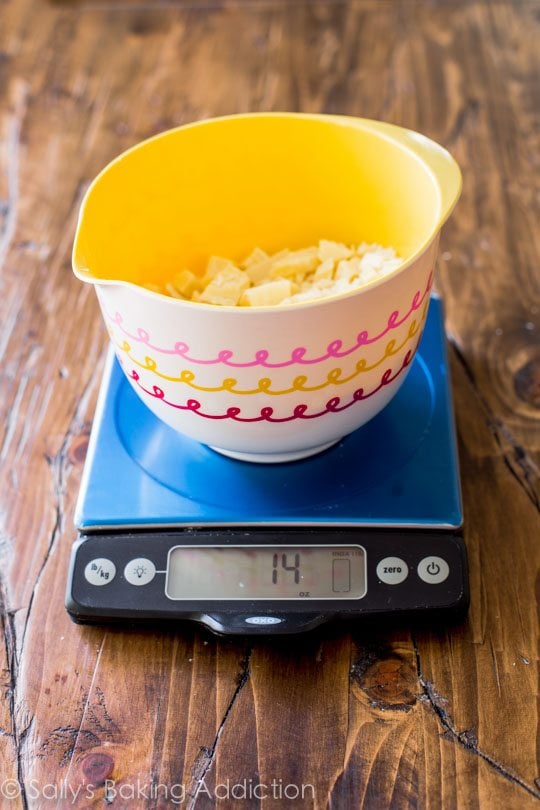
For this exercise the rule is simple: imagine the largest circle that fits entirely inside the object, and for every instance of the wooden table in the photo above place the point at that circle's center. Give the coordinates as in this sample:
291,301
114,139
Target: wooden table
368,717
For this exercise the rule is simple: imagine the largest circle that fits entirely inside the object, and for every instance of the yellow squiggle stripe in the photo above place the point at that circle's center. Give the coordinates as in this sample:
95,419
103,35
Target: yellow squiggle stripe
264,385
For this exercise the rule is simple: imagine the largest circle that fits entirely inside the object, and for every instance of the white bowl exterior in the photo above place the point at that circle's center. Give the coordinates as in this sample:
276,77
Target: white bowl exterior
172,351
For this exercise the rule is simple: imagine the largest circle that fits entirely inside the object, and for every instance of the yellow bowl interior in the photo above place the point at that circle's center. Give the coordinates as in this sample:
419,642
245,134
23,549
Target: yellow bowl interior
224,186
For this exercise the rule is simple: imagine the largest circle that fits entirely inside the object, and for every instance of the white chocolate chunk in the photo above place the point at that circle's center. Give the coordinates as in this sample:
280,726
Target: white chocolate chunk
255,257
215,265
172,291
186,282
348,269
324,270
297,261
333,250
226,287
260,271
269,294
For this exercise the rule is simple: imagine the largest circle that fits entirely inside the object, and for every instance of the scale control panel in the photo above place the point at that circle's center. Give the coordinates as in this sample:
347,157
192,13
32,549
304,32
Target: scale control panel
265,581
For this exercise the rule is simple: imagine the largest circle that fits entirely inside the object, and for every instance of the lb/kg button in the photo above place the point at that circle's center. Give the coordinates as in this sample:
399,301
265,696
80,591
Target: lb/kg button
100,571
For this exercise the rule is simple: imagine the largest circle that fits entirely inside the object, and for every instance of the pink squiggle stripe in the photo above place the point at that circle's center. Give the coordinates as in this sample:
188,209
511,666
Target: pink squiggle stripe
266,414
333,350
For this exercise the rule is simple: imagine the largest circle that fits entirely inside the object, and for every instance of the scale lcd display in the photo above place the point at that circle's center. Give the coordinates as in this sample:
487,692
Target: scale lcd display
266,572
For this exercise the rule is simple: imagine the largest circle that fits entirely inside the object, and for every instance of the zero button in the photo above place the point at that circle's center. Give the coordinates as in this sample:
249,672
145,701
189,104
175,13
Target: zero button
392,570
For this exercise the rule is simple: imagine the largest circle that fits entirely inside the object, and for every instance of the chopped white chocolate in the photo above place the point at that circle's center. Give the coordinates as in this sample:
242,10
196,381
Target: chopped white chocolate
172,291
324,270
322,284
257,255
186,282
297,261
333,250
348,269
215,265
287,277
259,271
371,261
269,294
226,287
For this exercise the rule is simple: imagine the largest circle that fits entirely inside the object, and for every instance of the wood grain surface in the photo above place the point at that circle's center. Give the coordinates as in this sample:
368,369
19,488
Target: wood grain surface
361,716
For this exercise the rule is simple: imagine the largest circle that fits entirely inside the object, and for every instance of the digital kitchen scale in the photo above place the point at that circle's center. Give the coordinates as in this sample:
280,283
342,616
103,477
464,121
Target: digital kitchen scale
171,530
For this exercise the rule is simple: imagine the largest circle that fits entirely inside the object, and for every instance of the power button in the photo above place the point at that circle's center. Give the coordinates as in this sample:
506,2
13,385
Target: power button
433,570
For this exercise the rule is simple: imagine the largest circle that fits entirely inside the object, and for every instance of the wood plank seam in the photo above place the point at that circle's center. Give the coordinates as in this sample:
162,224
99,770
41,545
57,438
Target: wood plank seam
14,650
203,762
467,738
86,703
466,115
18,736
525,473
60,465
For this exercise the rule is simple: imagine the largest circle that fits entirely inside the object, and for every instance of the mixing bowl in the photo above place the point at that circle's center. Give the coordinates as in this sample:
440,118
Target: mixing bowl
267,383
